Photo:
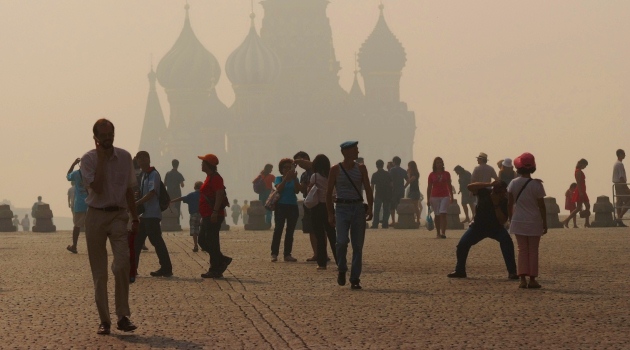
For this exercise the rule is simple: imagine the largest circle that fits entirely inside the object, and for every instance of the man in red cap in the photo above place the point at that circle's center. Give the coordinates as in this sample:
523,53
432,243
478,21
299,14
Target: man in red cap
212,203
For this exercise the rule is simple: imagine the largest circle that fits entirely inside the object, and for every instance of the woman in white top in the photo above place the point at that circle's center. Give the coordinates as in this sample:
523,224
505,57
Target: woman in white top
528,218
319,214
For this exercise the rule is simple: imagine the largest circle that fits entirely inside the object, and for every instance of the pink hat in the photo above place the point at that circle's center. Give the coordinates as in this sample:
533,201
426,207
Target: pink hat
525,160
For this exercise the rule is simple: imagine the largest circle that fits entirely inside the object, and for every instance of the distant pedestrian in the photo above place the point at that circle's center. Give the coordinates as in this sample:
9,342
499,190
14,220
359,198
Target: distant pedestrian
382,188
467,199
399,176
236,211
286,212
490,218
580,196
16,222
303,160
621,187
212,204
528,218
413,181
174,182
506,172
349,180
245,208
192,199
267,178
151,216
321,225
26,223
108,174
34,209
569,204
439,195
483,172
79,207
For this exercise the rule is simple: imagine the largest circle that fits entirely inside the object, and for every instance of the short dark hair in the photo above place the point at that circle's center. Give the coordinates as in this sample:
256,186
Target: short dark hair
581,161
101,122
143,154
175,163
620,152
380,164
211,166
198,185
525,171
302,155
396,160
458,168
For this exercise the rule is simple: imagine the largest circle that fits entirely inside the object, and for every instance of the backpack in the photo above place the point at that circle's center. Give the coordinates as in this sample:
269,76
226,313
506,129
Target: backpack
259,185
164,199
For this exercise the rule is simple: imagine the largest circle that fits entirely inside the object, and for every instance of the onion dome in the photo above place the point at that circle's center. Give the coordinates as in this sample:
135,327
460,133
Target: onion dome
188,65
382,52
252,63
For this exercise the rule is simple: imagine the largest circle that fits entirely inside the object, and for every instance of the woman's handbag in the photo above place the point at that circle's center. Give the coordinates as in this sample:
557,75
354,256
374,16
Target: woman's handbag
274,197
312,199
430,224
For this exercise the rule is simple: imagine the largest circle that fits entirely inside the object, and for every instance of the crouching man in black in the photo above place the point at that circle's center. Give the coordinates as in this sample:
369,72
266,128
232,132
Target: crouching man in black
489,222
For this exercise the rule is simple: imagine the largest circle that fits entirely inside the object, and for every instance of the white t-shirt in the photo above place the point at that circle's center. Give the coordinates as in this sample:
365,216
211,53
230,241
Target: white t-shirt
526,219
322,186
619,172
483,173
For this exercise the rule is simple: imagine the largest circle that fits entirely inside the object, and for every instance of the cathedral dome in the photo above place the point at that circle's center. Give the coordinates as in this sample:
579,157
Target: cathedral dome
252,63
382,52
188,65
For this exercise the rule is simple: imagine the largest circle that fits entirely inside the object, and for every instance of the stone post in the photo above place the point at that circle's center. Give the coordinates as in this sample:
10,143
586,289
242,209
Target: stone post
224,225
452,216
6,219
406,213
169,220
256,214
603,210
552,213
43,216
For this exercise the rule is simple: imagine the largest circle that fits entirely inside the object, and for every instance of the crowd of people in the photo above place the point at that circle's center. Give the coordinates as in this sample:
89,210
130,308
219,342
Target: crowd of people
120,198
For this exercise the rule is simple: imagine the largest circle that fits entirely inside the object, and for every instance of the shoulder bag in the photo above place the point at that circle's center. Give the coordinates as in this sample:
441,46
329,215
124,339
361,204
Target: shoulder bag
365,206
312,199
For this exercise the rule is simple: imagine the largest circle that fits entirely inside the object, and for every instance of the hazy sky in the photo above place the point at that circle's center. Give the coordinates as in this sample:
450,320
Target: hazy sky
498,76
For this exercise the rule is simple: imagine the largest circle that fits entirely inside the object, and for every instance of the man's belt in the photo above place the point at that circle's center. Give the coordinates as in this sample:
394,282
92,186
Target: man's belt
348,201
114,208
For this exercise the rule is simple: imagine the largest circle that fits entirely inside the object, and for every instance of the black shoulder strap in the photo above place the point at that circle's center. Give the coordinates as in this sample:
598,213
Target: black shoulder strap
351,182
522,188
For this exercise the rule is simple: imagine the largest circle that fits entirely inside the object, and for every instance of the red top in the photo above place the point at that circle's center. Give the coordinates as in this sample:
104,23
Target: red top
269,179
580,178
440,182
208,191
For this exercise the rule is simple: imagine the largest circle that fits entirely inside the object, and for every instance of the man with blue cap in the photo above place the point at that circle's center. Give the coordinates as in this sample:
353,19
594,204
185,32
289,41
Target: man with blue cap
349,179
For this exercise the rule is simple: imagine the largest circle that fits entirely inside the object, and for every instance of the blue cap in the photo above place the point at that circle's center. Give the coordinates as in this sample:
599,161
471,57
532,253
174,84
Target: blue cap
349,144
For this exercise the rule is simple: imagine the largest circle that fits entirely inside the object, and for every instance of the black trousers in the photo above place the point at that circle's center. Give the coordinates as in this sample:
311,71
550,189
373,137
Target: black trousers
150,227
210,242
323,230
284,213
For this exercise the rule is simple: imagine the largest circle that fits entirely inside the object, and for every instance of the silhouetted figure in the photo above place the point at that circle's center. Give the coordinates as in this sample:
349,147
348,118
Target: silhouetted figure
26,223
303,160
399,176
467,199
439,195
192,199
382,188
236,211
79,207
174,182
506,171
621,187
286,212
580,196
267,178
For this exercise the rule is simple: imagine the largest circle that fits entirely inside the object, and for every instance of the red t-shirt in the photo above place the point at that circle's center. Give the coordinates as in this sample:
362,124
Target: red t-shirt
269,181
440,183
209,190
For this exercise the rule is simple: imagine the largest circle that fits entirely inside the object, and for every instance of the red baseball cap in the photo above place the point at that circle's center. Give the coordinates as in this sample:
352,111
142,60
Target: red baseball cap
525,160
210,158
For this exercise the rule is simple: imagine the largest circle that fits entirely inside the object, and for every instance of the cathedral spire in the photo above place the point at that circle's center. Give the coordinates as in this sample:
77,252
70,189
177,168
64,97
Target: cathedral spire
154,126
382,52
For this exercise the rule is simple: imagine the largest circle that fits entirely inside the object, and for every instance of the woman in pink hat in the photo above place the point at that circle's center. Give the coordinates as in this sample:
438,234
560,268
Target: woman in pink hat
528,218
580,196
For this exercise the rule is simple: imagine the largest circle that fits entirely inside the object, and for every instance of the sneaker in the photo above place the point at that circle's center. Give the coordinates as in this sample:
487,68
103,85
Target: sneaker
274,258
341,278
126,325
289,258
456,274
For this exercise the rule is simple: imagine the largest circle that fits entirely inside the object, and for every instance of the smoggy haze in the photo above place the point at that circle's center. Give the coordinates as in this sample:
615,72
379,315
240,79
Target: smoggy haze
502,77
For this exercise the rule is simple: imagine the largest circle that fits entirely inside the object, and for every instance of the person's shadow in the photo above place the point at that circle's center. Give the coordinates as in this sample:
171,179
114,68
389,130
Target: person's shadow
156,341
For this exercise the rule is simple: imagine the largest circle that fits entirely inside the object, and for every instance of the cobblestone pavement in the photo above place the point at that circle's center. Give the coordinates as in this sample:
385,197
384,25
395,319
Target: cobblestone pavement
407,302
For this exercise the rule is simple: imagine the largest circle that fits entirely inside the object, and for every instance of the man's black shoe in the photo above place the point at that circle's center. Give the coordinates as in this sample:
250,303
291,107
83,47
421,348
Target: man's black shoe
125,325
621,224
341,279
161,273
355,286
104,329
226,263
513,276
456,274
212,274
